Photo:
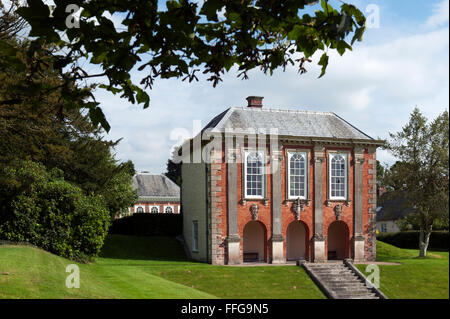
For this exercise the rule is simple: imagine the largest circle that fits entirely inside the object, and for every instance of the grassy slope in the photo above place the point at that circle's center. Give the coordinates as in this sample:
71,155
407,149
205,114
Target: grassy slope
34,273
145,267
155,267
416,278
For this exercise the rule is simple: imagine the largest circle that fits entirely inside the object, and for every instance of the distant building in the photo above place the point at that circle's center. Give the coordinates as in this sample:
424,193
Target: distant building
157,194
391,210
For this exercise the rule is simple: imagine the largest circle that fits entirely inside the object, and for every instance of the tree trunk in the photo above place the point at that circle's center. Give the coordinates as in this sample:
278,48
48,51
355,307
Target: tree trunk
423,242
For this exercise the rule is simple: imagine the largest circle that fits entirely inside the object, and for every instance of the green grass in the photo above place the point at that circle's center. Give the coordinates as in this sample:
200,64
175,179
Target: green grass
34,273
415,278
156,267
144,267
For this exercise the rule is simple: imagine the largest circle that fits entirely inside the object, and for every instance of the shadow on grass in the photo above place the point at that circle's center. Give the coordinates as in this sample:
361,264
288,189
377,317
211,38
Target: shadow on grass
158,248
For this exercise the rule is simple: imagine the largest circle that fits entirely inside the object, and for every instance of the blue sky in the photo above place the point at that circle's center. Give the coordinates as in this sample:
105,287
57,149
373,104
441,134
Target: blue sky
400,65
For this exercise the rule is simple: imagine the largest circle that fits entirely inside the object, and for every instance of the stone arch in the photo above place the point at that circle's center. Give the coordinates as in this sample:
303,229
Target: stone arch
254,241
337,241
297,235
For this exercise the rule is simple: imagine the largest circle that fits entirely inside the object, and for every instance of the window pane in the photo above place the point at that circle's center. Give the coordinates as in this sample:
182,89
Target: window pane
338,176
254,178
297,178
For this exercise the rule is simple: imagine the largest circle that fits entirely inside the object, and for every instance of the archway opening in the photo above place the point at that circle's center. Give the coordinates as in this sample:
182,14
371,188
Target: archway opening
254,242
337,241
296,236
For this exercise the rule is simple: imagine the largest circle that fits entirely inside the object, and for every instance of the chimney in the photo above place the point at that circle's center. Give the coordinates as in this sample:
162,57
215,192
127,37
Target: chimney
255,101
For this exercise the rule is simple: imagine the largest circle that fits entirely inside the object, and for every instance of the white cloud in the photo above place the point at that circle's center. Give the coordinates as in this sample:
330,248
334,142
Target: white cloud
440,15
375,88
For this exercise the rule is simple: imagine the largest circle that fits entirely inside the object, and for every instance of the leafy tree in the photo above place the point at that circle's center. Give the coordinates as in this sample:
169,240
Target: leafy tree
174,169
39,207
41,129
181,39
10,23
422,173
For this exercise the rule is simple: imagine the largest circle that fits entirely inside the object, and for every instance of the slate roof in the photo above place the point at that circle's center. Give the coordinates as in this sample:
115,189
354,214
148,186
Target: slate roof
155,188
392,208
293,123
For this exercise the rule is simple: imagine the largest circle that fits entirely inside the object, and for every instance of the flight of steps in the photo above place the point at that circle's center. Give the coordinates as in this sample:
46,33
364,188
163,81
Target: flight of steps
339,281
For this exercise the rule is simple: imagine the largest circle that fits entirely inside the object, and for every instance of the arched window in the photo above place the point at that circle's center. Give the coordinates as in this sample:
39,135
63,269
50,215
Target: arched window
140,209
168,210
154,210
338,176
297,175
254,174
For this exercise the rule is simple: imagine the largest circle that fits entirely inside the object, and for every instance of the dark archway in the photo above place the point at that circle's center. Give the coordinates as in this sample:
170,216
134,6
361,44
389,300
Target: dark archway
296,241
254,242
337,241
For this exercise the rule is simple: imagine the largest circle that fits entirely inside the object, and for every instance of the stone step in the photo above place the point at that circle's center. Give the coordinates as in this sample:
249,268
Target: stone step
357,297
341,277
333,273
352,291
347,286
327,266
342,281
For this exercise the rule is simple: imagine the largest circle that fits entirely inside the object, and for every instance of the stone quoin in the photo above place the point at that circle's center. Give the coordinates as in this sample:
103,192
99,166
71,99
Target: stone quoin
302,188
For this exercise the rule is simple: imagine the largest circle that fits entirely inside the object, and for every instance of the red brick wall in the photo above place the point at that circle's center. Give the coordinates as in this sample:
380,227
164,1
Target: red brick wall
219,204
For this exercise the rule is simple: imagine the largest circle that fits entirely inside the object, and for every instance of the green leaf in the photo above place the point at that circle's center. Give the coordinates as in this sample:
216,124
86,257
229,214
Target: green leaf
324,63
98,117
342,46
358,34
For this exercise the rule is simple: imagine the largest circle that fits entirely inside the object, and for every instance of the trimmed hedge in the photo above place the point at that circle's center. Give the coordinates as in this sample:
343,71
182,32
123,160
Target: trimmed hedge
144,224
38,207
410,239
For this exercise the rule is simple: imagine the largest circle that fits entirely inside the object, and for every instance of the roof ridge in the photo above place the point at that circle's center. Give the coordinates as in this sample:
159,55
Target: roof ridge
352,126
246,108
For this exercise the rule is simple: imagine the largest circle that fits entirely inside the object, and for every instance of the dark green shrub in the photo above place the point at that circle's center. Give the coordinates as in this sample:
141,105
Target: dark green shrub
410,239
46,211
148,225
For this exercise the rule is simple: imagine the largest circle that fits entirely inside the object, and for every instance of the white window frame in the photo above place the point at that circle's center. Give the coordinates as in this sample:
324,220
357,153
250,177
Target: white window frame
139,206
263,181
195,235
383,228
153,206
330,158
173,209
290,153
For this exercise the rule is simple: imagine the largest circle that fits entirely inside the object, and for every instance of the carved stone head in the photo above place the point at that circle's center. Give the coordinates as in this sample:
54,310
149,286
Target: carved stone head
254,211
297,207
338,211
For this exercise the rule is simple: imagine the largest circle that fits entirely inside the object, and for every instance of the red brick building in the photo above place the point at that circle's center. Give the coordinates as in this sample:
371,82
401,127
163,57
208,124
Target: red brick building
157,194
279,185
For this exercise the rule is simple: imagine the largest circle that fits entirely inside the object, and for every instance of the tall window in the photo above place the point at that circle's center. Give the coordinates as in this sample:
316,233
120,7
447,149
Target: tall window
195,235
254,174
338,176
154,210
297,175
140,209
168,210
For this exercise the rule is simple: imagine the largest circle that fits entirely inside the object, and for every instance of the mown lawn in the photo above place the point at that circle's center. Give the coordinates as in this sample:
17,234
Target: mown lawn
27,272
156,267
164,257
415,278
144,267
